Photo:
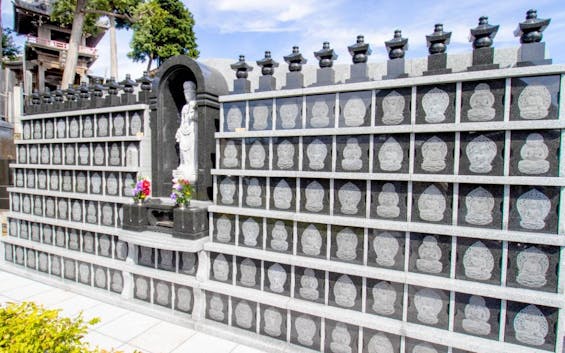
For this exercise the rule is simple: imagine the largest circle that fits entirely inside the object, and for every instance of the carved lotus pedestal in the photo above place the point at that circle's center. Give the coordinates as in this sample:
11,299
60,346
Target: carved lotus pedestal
135,218
190,222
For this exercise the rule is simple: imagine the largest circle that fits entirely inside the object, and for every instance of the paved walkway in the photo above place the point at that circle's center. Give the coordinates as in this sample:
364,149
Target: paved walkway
119,328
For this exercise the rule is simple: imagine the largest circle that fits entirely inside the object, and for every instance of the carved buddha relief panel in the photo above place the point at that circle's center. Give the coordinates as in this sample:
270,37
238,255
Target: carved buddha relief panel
532,266
254,192
224,228
162,294
285,153
380,342
260,115
435,104
315,196
535,98
432,202
482,153
116,281
390,153
350,198
430,254
531,325
347,244
257,153
280,235
479,260
354,109
393,106
320,111
482,101
388,200
221,267
166,259
341,337
230,154
384,298
386,249
288,113
428,306
273,322
345,291
535,153
434,153
248,272
352,154
317,153
283,194
309,284
250,232
100,277
244,314
480,205
305,330
277,278
183,298
188,263
135,123
476,315
417,346
234,116
142,288
311,239
533,208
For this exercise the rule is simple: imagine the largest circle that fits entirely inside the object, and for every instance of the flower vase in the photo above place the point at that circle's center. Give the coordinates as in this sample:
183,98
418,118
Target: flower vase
140,202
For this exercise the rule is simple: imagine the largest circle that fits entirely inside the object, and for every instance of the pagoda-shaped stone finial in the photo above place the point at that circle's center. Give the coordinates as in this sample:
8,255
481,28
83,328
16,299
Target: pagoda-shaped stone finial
98,88
84,91
438,41
58,93
47,97
437,46
532,50
295,60
71,94
241,67
241,84
482,37
360,51
396,48
267,82
128,84
145,81
326,56
113,89
35,97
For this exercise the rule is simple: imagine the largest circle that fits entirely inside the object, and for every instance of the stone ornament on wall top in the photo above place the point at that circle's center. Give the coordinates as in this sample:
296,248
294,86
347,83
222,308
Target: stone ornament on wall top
534,102
227,190
434,154
393,108
530,326
282,195
288,113
349,197
311,241
480,204
221,268
277,276
390,155
279,237
380,343
223,228
388,200
341,339
273,320
533,208
248,272
260,117
428,305
481,103
314,194
254,192
243,315
309,285
230,155
305,329
429,255
354,111
285,155
250,229
351,160
316,153
320,114
476,317
435,103
532,266
534,155
480,153
384,298
478,262
432,204
234,118
257,155
345,292
346,241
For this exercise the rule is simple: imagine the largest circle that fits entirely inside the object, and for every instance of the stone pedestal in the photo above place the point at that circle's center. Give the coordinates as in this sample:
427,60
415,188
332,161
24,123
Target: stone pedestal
395,69
483,60
144,96
190,223
84,104
135,218
129,98
294,80
531,54
97,102
324,77
241,85
112,100
71,105
358,73
267,83
437,65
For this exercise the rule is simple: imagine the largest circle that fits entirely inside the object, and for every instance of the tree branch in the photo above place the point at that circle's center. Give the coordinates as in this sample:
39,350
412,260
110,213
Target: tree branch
111,14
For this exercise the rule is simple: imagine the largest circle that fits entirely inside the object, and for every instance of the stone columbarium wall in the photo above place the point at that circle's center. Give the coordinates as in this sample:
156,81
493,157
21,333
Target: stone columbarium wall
412,214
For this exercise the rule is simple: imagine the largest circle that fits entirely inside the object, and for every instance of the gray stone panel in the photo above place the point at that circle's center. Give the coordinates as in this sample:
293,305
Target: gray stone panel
477,156
532,266
70,269
447,111
386,249
532,156
312,246
290,106
384,298
533,331
431,210
471,112
260,115
60,237
273,322
55,265
231,160
347,244
416,346
248,272
221,268
166,260
31,259
257,153
287,199
35,236
188,263
244,314
145,256
537,214
479,317
394,158
346,206
479,260
429,158
84,275
100,277
536,104
234,113
309,284
254,192
340,337
43,262
282,157
383,202
184,299
274,279
349,102
162,293
403,95
217,307
20,255
305,330
73,241
430,254
345,291
346,149
428,306
320,111
24,230
248,236
142,288
374,340
310,194
8,252
317,158
468,207
224,228
116,281
104,245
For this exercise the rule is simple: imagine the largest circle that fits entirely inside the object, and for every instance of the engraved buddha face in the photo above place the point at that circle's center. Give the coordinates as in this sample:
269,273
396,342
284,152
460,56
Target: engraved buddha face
482,97
393,104
234,118
316,153
285,153
534,149
288,113
260,116
476,309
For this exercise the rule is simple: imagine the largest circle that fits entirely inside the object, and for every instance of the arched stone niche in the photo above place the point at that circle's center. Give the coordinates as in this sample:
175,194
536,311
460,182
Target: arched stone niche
166,103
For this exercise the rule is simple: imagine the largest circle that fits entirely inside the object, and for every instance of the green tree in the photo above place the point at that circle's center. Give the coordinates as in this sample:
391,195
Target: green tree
10,50
164,29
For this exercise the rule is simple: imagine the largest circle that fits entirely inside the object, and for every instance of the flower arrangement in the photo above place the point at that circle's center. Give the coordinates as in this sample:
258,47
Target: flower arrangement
141,189
181,192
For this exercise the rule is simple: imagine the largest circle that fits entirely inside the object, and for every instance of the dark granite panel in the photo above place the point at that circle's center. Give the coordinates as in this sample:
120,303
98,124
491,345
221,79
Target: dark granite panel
257,153
162,294
244,314
283,198
230,153
479,209
289,113
340,337
482,101
317,153
352,154
320,111
432,202
84,271
31,259
100,277
535,98
254,192
251,232
188,263
430,254
375,340
347,244
350,198
351,112
55,265
273,322
145,256
224,228
482,153
116,281
535,153
439,107
217,307
261,115
221,270
479,260
234,116
531,325
389,200
305,330
416,346
285,153
427,306
142,288
276,278
70,269
312,240
279,235
533,209
393,107
345,291
384,298
310,284
478,316
386,249
391,153
315,196
248,272
434,153
184,298
533,267
166,259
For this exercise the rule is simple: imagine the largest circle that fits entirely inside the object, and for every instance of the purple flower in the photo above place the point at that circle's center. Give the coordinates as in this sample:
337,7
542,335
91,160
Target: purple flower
173,196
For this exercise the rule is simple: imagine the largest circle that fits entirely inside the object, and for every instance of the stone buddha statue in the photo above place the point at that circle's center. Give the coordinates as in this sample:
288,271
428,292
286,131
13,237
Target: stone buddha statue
230,155
435,103
480,153
349,197
285,155
311,241
530,326
533,208
534,102
316,153
390,155
346,241
393,108
187,136
254,192
384,298
309,285
481,103
478,262
320,114
476,317
432,204
388,202
345,292
434,153
429,255
480,204
341,339
314,194
534,155
532,266
351,160
279,236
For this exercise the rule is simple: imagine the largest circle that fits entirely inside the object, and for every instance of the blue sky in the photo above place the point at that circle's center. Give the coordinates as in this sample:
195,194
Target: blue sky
228,28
